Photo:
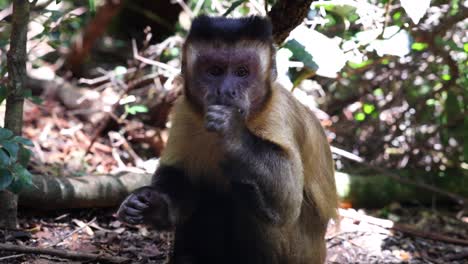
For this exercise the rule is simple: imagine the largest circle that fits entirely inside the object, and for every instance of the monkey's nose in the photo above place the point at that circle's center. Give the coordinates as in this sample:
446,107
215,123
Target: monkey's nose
228,92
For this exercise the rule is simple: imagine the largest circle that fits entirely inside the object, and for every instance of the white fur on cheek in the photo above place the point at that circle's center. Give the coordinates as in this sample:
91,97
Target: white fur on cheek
191,56
264,58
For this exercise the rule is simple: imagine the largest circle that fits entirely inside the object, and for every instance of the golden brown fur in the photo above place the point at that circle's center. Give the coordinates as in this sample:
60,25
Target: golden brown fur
191,147
247,174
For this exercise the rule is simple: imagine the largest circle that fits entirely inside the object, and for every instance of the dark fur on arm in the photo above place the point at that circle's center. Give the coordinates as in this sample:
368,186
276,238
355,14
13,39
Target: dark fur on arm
262,179
177,186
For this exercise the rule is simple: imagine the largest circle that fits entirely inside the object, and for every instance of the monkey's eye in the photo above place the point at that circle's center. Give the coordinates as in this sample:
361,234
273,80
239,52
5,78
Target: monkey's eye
241,71
215,71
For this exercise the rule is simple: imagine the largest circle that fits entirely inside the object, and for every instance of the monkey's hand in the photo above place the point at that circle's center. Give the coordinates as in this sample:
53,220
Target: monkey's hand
147,205
225,120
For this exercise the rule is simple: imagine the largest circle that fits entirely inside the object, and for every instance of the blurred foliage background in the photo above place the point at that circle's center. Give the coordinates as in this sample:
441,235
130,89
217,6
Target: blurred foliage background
390,78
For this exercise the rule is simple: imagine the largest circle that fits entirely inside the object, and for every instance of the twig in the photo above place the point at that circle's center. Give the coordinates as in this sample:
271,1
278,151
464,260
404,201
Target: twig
11,256
258,6
387,11
105,77
124,143
184,6
346,154
127,88
74,232
62,253
198,7
461,255
388,224
432,235
149,61
455,197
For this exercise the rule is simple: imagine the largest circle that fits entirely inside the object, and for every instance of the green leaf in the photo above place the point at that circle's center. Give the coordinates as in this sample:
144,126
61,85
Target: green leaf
6,178
299,52
378,92
368,108
396,15
465,47
23,178
55,15
419,46
5,133
342,9
359,117
317,51
355,65
24,155
234,6
4,159
12,149
446,77
22,140
36,100
27,93
430,102
92,6
133,110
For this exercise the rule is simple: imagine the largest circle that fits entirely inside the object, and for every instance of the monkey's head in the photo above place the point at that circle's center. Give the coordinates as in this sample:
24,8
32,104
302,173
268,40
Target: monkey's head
229,61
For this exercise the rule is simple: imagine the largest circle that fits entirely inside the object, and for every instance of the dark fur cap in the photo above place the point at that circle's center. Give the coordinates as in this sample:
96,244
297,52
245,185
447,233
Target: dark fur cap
229,30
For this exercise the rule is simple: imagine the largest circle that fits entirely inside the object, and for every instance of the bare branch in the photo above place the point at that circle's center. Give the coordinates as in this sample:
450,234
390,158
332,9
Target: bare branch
286,15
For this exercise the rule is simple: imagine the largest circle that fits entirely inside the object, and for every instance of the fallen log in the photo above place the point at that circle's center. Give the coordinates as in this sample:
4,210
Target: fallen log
50,193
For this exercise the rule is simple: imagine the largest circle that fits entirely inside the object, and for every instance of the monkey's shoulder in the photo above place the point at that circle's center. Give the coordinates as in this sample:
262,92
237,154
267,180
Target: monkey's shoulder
286,121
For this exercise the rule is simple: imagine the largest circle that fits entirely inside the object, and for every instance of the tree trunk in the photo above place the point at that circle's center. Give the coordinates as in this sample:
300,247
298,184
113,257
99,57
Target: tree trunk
16,63
8,205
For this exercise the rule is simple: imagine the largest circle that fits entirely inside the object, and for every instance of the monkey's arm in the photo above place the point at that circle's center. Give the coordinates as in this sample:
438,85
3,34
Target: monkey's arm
260,172
163,204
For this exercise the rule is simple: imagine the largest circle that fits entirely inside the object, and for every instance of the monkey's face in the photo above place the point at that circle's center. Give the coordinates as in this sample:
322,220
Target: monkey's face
228,76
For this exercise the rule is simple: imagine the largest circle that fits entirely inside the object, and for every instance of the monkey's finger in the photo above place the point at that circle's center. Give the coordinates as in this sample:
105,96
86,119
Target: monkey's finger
144,198
131,219
217,108
210,127
215,112
215,126
129,211
138,204
134,220
216,116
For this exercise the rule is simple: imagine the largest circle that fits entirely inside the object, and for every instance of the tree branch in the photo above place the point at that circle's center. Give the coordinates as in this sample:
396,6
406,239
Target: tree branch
286,15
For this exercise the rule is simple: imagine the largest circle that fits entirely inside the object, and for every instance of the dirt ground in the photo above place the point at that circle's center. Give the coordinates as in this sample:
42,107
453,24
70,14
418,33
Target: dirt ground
355,241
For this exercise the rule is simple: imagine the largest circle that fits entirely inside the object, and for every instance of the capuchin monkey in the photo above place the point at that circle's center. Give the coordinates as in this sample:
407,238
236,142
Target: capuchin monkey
247,174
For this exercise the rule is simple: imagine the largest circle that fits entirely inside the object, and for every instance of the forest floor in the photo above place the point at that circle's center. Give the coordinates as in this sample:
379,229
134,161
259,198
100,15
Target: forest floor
421,235
359,239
